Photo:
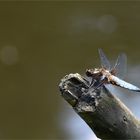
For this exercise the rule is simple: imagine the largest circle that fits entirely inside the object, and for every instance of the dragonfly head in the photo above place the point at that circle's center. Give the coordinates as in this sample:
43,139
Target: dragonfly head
89,72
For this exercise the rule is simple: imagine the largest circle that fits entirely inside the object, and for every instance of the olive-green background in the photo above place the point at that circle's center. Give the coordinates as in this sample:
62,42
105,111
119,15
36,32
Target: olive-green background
40,42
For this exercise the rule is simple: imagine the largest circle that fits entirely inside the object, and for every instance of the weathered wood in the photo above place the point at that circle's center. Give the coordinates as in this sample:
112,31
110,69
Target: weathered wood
105,114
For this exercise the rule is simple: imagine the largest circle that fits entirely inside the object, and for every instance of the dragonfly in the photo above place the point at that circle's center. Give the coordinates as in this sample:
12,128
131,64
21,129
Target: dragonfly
110,75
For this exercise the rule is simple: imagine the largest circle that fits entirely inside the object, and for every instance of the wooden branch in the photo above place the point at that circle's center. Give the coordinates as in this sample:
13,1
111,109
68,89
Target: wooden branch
105,114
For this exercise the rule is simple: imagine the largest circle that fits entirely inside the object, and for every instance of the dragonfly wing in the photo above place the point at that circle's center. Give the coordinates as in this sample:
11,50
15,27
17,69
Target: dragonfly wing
120,67
104,61
124,84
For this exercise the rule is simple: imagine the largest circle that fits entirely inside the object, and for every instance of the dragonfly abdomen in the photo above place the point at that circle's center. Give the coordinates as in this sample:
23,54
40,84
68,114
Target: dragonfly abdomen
122,83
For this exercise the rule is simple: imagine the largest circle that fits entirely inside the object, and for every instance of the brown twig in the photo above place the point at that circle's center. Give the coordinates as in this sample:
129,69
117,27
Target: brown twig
105,114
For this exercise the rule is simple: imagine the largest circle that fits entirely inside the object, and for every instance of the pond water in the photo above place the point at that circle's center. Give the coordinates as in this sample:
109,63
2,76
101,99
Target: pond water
40,42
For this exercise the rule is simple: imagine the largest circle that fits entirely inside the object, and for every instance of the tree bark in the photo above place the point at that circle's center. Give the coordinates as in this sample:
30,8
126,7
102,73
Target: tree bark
104,113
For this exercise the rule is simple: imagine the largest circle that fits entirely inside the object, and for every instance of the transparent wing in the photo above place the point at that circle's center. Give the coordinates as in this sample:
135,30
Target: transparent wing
104,61
120,67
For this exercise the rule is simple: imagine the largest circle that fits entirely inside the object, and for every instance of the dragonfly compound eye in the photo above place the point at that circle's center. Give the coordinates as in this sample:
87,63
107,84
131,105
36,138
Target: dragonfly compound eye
89,72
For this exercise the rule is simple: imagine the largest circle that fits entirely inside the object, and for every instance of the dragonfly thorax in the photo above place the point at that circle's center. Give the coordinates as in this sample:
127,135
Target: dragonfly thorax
100,74
106,74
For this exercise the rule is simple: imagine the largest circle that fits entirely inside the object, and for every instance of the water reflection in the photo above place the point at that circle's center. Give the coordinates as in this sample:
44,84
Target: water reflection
9,55
105,23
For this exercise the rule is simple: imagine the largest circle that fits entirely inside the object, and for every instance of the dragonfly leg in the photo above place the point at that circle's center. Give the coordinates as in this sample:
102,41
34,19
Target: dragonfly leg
99,85
92,82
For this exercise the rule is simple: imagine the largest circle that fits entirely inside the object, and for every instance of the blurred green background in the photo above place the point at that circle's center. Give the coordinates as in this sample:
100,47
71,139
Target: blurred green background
40,42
